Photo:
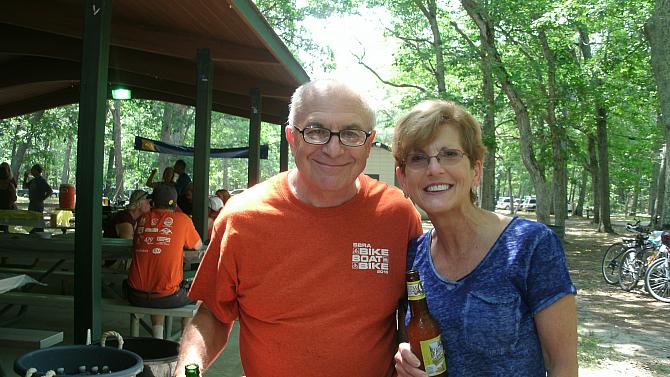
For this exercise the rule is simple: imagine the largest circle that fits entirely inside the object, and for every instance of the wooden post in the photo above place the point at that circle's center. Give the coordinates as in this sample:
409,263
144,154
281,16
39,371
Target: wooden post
90,142
254,171
203,120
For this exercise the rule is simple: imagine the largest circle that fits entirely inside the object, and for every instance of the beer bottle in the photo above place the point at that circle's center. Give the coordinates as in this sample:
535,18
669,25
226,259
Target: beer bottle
192,370
423,331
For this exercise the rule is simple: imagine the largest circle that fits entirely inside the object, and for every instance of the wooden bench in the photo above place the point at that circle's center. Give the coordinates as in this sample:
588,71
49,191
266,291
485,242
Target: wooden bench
107,305
29,337
137,312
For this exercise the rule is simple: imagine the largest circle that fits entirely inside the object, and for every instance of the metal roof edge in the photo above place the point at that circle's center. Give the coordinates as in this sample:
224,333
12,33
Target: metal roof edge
277,47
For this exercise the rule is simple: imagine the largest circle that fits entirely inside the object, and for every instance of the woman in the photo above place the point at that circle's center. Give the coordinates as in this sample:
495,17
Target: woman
7,190
498,286
168,178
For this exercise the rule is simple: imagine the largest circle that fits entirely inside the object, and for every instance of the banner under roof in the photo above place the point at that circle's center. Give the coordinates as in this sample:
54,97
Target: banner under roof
144,144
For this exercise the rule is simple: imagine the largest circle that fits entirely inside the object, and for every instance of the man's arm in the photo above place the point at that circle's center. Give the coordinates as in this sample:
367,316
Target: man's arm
49,191
202,341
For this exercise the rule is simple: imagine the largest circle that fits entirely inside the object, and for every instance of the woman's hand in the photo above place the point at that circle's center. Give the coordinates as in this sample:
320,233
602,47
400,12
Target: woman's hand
406,363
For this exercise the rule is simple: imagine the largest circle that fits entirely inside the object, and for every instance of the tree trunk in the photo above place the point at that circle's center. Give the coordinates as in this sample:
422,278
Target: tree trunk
17,158
166,137
110,172
225,183
488,134
558,138
536,171
636,194
657,29
579,208
653,188
605,224
595,178
118,159
660,195
512,207
65,174
429,10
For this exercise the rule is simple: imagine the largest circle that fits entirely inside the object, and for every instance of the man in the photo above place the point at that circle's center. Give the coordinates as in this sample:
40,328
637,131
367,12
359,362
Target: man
38,191
122,225
311,261
182,178
155,279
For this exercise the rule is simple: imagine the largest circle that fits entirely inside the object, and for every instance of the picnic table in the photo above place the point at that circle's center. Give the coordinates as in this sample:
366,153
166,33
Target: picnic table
11,281
21,218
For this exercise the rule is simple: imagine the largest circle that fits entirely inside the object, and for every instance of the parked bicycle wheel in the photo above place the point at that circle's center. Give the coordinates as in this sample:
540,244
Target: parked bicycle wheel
657,280
630,270
610,263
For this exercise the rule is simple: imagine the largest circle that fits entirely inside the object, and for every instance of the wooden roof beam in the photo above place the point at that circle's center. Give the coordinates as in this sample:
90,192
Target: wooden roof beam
35,15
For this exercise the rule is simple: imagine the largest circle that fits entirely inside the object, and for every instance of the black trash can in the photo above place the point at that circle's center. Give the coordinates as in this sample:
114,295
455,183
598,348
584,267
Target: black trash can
159,355
121,363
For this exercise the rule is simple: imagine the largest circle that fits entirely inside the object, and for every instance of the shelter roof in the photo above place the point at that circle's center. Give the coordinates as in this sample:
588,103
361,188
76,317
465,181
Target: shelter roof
153,47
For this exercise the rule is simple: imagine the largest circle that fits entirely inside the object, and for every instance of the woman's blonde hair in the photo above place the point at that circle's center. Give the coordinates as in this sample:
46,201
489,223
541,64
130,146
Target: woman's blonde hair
420,125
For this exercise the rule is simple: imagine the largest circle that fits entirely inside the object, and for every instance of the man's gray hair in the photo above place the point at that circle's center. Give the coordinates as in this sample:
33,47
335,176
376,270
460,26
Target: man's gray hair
325,87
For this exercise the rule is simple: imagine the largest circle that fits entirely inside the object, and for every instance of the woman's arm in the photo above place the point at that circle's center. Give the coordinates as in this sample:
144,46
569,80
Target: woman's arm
125,230
150,180
12,192
557,329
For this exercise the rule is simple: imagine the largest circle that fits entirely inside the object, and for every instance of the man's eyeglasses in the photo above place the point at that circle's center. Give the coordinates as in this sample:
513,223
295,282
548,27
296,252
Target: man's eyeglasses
446,157
320,136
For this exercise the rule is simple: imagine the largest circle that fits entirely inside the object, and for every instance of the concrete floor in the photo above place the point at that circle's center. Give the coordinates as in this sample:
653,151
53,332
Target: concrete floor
60,319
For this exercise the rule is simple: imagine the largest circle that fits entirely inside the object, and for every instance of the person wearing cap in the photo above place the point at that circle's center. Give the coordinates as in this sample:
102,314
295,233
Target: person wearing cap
215,206
155,278
122,224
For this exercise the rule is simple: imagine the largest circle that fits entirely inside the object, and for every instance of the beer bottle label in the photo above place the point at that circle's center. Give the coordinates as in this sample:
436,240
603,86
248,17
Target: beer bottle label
415,291
433,356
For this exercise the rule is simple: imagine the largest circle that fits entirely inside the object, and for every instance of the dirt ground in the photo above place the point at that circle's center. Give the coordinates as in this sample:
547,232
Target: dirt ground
621,333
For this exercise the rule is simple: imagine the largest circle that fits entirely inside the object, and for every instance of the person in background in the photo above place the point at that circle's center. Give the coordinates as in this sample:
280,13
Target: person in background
122,224
7,191
155,278
215,206
185,200
168,178
223,194
38,191
183,180
8,171
499,287
333,230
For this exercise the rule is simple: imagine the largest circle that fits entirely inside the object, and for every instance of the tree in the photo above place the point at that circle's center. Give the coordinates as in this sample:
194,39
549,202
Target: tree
657,29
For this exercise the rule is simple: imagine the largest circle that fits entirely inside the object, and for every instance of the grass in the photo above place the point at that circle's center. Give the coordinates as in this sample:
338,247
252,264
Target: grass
591,354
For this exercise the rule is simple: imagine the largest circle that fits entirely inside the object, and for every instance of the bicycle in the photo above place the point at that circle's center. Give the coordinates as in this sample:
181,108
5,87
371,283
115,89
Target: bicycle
611,258
635,261
657,278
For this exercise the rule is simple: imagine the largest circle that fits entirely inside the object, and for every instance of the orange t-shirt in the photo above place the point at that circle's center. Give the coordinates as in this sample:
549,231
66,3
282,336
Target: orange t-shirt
158,251
315,289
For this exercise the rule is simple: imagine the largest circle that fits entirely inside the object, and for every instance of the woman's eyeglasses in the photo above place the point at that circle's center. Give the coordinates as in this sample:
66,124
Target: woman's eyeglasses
446,157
